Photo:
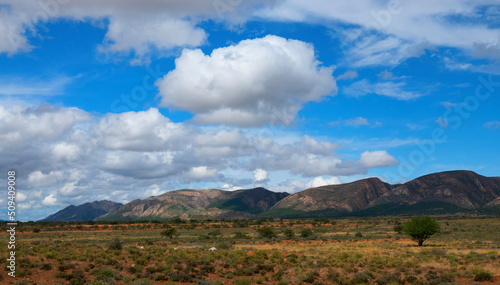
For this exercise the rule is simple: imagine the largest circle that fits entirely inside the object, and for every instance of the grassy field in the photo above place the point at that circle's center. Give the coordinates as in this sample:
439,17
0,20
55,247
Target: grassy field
312,251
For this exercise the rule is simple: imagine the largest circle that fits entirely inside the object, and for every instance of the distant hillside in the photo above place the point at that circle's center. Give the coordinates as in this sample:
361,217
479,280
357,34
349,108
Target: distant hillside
348,197
445,192
437,193
252,201
85,212
209,203
464,189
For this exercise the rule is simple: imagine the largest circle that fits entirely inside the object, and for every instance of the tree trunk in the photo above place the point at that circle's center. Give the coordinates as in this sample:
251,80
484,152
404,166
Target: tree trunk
420,242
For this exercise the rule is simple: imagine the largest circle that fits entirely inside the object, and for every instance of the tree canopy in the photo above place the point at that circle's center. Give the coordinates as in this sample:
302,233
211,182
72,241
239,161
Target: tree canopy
421,228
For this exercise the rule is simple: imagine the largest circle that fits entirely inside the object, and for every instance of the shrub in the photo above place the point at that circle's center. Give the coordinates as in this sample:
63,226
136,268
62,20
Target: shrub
63,267
170,233
390,279
289,233
259,280
308,278
103,280
265,267
230,275
411,279
241,281
46,266
332,275
362,278
343,280
24,272
178,220
421,228
434,279
266,233
75,278
224,245
482,275
203,282
240,235
279,275
115,244
306,233
358,235
106,272
142,282
215,233
398,229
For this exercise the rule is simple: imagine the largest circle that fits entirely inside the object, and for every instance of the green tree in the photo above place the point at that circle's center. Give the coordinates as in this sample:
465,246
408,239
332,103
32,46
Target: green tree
289,233
421,228
170,233
398,229
306,233
267,233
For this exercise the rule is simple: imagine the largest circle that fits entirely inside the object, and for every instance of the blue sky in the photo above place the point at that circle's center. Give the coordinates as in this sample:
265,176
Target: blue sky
122,100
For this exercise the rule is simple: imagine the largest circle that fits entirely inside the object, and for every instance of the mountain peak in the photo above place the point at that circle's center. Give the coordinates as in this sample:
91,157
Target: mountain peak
85,212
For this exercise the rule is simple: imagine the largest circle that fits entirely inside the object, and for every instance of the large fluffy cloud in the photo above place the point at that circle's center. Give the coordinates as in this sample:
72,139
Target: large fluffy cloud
140,131
252,83
66,155
136,27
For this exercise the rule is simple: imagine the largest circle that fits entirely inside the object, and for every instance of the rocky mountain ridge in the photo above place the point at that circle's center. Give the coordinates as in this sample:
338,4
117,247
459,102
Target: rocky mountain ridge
444,192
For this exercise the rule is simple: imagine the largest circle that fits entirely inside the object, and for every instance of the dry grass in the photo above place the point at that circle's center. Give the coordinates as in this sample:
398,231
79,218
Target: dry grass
341,251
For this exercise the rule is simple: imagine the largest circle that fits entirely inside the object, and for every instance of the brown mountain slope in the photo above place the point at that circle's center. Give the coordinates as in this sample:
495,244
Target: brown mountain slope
446,191
464,189
209,203
348,197
84,212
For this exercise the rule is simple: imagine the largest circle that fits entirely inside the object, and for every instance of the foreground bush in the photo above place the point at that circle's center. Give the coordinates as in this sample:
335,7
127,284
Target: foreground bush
482,275
266,233
170,233
115,244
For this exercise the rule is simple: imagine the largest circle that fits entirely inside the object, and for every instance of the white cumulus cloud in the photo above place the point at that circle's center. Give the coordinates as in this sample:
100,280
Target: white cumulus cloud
50,200
39,179
200,172
137,28
260,174
20,197
252,83
379,158
321,181
81,157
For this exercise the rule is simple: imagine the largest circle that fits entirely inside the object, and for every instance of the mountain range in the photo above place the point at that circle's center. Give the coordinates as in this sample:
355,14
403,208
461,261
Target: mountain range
85,212
437,193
